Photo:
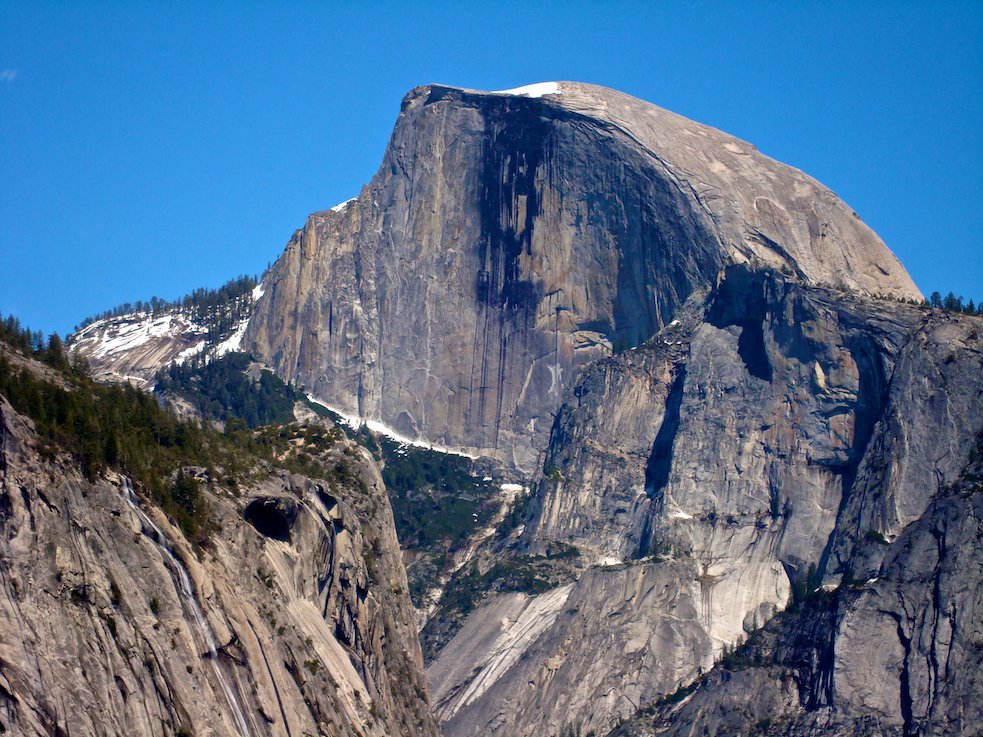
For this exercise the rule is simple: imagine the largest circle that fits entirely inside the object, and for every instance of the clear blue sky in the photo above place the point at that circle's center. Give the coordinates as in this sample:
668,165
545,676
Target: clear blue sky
151,148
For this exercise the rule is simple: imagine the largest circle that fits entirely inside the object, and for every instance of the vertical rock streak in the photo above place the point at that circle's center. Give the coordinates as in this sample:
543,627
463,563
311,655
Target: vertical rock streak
189,600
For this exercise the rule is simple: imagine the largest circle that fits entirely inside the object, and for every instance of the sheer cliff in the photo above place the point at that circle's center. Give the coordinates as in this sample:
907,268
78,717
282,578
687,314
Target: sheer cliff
896,653
778,441
508,240
291,619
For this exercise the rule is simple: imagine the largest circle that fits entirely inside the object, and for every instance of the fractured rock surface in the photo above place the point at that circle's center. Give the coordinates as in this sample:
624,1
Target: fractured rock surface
726,471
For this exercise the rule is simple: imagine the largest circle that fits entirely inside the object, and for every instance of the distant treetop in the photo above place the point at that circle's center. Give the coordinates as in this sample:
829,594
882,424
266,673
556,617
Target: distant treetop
201,305
952,303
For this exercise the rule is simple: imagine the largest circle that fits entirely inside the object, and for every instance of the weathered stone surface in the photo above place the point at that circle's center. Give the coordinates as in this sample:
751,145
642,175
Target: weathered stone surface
98,638
619,639
897,654
133,348
508,241
682,341
741,453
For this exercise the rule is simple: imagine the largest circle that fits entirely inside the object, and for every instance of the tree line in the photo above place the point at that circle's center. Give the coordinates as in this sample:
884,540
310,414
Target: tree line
203,304
952,303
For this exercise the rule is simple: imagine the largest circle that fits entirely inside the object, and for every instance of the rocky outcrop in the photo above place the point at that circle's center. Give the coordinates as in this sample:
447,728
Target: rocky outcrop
294,621
899,653
133,346
508,241
755,447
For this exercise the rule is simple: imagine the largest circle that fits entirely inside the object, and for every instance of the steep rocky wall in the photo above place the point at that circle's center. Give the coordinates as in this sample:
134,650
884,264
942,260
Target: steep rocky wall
508,241
306,604
899,653
756,446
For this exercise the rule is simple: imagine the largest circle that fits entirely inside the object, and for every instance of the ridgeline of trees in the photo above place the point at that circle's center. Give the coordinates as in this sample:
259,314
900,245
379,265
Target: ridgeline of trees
221,390
952,303
32,343
220,310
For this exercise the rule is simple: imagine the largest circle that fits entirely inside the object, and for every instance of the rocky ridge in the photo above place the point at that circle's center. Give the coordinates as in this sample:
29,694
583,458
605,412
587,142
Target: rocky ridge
293,621
134,346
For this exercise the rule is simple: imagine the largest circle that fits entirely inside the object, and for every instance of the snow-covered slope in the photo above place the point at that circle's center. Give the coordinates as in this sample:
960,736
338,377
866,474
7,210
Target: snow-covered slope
133,347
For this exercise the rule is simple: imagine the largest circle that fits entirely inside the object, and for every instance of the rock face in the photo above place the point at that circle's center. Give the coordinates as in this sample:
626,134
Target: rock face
895,654
295,623
682,337
508,241
761,444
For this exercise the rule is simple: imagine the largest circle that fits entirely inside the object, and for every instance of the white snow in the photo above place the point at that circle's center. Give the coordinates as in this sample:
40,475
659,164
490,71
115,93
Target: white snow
258,291
681,515
342,205
512,488
233,342
376,426
533,90
673,324
187,353
127,336
608,560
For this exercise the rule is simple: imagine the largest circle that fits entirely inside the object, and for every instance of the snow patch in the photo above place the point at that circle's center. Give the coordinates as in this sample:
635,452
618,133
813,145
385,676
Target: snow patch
356,422
533,90
120,338
233,342
609,560
187,353
681,515
342,205
258,291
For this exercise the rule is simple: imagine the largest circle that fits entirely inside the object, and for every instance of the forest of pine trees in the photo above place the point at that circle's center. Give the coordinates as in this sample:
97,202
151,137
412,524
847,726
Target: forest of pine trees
952,303
120,427
221,389
220,310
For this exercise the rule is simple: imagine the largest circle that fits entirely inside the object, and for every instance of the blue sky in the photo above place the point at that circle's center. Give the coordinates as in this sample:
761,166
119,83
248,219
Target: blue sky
150,148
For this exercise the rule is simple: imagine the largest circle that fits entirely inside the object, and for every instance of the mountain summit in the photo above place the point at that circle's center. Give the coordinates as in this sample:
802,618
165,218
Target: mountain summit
510,238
